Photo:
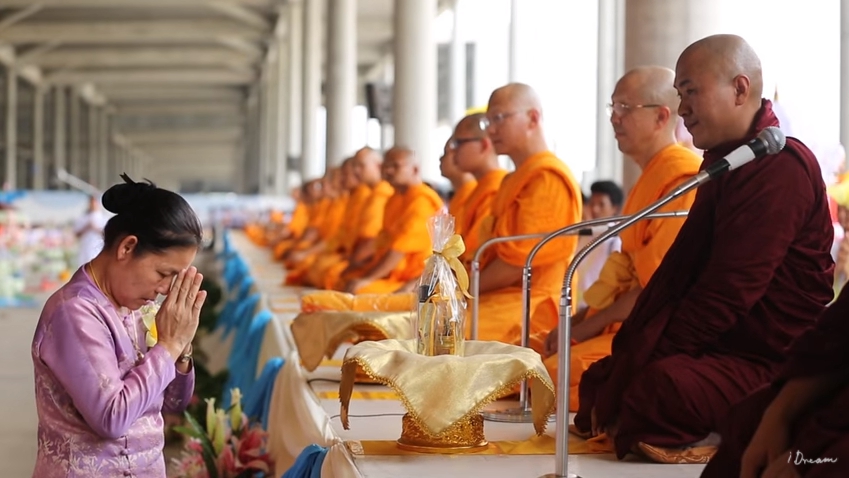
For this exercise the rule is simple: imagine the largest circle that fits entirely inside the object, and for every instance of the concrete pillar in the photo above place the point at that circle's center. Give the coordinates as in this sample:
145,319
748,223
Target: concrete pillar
281,82
294,134
611,50
312,166
844,74
457,91
513,45
75,133
60,143
104,177
39,171
341,84
414,99
92,150
656,32
11,178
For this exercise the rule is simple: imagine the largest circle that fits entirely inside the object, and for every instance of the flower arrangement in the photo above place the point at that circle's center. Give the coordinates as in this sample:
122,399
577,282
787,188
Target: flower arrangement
228,447
148,313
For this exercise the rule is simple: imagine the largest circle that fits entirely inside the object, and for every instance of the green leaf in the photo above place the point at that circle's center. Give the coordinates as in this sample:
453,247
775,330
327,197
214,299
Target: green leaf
208,452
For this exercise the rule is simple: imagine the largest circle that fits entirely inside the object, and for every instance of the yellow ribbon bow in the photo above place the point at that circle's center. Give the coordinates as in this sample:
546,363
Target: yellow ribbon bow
453,249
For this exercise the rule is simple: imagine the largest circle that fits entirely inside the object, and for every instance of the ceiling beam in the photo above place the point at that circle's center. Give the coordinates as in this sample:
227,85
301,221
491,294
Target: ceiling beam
142,57
20,15
118,94
30,56
131,31
199,136
181,108
241,14
181,76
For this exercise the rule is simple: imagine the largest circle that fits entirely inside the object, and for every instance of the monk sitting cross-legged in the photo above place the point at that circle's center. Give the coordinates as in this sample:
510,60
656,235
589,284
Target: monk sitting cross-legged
363,221
749,271
343,238
474,153
312,198
540,196
298,260
403,244
644,114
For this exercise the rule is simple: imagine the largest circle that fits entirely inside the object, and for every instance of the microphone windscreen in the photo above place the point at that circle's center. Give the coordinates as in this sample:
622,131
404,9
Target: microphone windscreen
774,139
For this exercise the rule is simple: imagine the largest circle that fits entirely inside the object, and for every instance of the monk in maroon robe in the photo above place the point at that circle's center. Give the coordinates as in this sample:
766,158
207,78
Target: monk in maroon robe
748,272
799,425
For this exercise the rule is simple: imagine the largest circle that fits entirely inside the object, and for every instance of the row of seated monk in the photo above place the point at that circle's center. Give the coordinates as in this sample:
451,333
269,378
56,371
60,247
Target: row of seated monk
709,339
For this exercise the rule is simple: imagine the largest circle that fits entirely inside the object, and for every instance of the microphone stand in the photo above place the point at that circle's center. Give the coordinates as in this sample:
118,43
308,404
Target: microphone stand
561,463
476,265
522,413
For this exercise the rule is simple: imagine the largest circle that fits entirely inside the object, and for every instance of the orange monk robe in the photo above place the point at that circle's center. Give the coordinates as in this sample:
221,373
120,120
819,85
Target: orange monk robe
343,241
327,227
458,202
643,248
404,230
369,224
314,213
540,196
478,208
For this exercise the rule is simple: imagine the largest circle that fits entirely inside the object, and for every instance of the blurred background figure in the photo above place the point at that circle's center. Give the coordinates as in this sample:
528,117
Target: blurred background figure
89,231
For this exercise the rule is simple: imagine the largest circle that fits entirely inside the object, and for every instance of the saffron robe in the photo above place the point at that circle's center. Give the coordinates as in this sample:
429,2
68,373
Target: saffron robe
478,208
749,271
820,432
404,230
458,202
327,227
540,196
315,212
343,241
368,226
643,247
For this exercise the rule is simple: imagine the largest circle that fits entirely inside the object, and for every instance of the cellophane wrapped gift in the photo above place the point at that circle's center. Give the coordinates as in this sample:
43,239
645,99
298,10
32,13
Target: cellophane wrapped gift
441,293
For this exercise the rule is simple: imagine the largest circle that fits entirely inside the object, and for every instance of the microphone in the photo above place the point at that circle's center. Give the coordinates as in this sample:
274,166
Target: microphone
769,141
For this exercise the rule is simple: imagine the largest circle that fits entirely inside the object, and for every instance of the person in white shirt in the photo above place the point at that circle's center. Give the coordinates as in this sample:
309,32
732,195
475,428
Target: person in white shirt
89,232
605,201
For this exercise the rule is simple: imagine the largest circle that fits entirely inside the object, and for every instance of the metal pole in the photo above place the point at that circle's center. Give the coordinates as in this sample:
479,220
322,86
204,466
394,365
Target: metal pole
522,413
561,464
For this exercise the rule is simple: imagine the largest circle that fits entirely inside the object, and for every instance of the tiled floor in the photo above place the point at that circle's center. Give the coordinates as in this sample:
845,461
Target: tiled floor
18,420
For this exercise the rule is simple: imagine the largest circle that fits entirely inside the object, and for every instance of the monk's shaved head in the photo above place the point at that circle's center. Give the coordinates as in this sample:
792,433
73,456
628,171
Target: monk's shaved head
472,126
728,56
401,168
519,95
654,85
366,166
514,122
721,86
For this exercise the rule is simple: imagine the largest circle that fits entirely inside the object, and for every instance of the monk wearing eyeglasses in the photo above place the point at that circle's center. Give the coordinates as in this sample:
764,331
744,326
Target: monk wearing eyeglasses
462,182
540,196
475,154
644,114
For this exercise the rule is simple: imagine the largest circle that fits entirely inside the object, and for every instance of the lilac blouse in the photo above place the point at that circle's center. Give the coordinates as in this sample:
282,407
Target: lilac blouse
100,412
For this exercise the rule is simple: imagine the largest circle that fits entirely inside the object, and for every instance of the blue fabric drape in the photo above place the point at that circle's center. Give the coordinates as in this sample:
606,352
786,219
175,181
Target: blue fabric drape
308,464
257,401
245,353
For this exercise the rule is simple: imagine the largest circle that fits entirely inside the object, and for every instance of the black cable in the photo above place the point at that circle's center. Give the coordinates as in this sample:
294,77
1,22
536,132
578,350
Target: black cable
378,415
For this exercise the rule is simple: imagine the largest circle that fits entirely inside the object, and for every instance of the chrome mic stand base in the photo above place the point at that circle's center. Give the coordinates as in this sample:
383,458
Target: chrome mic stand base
552,475
509,415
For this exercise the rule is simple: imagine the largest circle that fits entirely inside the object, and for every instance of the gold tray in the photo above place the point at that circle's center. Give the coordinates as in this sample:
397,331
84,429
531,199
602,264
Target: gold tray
462,437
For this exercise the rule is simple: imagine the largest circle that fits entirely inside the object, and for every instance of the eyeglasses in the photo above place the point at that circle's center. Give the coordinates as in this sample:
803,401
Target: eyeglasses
455,143
623,109
495,119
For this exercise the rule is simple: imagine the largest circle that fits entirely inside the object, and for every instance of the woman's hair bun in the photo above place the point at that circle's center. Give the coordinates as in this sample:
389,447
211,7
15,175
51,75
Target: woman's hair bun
125,197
